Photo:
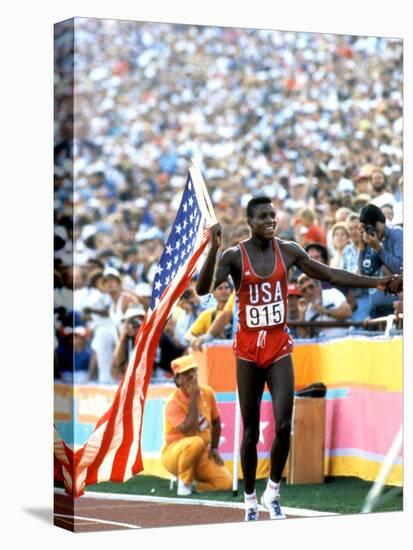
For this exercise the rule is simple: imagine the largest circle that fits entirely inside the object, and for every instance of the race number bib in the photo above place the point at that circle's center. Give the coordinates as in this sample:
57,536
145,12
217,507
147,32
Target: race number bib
266,315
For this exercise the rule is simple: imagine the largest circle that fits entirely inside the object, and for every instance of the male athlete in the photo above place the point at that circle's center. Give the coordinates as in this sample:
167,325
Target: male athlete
258,267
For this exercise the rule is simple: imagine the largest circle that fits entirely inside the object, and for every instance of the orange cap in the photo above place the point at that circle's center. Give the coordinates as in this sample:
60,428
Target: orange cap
182,364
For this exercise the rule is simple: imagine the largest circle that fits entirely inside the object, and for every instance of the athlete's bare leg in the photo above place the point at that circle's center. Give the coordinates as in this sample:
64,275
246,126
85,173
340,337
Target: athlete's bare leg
280,381
251,381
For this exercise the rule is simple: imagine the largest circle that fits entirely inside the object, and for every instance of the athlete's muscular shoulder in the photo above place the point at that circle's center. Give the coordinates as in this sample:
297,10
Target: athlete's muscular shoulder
291,252
230,264
232,258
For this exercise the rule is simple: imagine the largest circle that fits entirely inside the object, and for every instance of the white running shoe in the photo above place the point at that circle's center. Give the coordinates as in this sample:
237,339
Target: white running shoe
251,514
184,490
273,506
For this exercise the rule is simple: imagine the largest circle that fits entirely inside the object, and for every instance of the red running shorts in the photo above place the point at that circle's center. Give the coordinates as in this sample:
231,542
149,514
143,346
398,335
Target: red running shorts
263,347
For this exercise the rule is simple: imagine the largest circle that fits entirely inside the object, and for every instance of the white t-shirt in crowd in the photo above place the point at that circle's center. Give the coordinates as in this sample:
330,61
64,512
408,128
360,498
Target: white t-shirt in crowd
96,299
331,298
384,198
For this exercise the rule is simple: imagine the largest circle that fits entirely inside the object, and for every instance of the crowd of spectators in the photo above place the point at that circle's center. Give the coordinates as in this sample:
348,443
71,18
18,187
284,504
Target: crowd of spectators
314,121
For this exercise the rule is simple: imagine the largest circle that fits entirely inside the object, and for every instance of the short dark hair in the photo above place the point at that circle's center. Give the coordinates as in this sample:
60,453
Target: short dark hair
252,203
370,214
321,248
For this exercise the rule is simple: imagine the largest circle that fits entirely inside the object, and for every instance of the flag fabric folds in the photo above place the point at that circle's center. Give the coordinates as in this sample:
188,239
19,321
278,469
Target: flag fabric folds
113,451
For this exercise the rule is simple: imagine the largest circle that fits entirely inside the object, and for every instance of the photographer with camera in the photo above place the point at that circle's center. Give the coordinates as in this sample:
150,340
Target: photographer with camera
381,253
132,320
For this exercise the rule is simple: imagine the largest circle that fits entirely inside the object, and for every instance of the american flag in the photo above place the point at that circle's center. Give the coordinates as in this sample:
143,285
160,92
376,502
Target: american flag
180,244
113,451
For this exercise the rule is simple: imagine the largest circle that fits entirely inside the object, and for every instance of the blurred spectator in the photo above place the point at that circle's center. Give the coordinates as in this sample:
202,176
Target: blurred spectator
293,313
168,350
104,334
341,239
335,172
318,252
74,291
143,292
351,252
380,190
317,304
361,200
342,214
328,222
131,322
120,299
74,356
197,333
309,231
297,194
350,262
363,180
341,184
186,314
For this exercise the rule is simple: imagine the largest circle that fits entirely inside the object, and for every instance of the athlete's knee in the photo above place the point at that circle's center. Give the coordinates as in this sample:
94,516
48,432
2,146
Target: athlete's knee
251,435
283,429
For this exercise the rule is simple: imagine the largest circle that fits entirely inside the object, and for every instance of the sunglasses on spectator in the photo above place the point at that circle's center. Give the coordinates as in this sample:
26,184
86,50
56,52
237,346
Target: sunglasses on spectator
304,289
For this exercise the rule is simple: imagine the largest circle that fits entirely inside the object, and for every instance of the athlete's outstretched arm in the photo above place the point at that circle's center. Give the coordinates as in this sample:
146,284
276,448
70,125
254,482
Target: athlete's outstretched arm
337,277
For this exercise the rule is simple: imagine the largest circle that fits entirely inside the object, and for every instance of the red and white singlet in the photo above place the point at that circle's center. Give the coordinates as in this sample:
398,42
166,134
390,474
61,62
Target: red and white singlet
262,335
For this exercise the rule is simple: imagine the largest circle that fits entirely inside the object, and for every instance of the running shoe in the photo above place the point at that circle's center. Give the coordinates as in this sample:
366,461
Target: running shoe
273,506
251,514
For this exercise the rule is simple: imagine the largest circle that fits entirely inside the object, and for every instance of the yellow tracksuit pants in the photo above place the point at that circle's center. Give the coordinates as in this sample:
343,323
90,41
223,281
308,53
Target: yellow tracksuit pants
188,460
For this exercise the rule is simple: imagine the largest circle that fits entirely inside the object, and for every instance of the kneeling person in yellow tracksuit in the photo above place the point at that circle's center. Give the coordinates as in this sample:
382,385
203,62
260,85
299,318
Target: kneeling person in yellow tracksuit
192,431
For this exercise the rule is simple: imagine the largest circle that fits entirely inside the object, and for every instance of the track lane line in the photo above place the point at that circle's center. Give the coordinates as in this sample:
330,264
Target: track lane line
96,520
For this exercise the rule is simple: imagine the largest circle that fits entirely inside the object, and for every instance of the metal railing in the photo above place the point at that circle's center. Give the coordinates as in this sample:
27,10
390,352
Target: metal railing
388,324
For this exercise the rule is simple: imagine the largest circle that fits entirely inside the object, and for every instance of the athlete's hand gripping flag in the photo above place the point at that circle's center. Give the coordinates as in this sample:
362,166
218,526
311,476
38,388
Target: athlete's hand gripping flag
113,452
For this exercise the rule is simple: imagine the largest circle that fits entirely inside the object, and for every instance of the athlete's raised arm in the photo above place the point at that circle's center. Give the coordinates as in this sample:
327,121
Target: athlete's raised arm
206,281
337,277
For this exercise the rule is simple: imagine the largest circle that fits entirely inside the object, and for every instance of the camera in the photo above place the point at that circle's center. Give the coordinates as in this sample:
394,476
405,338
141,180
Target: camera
370,230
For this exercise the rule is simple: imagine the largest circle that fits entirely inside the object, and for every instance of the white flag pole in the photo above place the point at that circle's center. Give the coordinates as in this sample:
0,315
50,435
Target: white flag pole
197,177
380,481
